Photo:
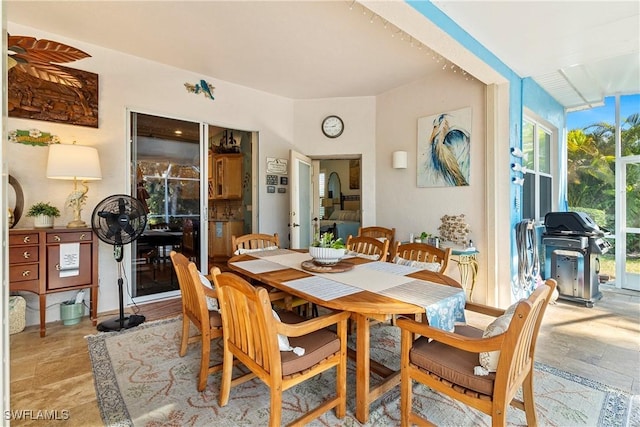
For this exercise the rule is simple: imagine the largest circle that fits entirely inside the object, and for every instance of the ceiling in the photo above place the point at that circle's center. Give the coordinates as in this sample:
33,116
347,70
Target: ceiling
577,51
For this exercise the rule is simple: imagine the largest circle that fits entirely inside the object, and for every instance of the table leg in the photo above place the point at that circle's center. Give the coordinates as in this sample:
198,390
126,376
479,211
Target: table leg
362,367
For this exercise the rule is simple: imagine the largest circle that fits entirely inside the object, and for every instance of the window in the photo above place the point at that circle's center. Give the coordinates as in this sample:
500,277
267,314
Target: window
538,187
321,184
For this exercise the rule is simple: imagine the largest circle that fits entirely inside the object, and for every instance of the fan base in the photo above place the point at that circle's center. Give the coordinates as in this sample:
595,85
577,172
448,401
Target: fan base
115,324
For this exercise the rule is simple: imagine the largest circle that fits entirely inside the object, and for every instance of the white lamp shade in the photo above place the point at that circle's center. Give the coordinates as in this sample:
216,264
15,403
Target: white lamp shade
68,161
399,159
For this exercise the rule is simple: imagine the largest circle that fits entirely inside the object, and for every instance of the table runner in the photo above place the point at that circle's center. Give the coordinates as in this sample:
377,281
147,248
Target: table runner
444,305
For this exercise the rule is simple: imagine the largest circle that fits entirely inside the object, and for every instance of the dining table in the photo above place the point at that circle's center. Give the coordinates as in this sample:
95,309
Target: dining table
369,290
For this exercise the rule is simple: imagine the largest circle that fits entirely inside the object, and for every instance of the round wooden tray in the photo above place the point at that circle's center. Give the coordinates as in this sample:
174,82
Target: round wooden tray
319,268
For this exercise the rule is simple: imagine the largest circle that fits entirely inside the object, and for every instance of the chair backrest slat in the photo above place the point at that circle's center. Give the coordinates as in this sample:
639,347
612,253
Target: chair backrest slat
422,252
368,246
247,320
517,353
254,241
194,302
379,232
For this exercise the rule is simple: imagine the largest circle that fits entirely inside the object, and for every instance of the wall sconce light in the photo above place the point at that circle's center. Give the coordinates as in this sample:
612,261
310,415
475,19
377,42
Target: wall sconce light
77,163
517,181
399,159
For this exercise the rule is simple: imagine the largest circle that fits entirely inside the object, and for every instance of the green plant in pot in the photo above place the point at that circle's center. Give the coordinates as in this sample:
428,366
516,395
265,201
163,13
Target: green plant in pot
326,249
43,214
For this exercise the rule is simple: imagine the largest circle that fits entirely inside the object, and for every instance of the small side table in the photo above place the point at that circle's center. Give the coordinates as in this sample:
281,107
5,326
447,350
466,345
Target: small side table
467,260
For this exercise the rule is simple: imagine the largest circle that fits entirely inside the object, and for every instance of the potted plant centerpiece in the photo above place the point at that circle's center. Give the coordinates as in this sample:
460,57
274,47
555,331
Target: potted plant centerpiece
43,214
327,250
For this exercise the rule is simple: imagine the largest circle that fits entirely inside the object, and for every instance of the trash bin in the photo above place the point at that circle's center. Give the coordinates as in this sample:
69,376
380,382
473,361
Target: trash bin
71,312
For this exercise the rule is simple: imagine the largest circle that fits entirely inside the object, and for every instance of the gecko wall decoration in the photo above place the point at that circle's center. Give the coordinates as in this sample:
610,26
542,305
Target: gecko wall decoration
202,87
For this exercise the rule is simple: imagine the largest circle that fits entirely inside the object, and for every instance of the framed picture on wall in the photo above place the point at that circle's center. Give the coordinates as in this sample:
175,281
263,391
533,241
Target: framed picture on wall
444,149
354,174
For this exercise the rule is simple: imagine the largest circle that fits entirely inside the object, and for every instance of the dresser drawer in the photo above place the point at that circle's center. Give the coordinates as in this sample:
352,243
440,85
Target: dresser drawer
23,272
76,236
26,238
22,254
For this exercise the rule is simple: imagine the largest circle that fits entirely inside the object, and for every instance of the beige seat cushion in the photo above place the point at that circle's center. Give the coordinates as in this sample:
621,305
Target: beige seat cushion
451,364
215,320
317,345
489,359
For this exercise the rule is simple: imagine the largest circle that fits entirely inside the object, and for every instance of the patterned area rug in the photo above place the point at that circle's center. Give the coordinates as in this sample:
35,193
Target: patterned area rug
141,380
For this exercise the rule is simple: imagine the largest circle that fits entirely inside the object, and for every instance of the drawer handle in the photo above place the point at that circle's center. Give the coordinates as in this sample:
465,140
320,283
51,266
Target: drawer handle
26,273
56,238
82,236
26,239
58,267
26,254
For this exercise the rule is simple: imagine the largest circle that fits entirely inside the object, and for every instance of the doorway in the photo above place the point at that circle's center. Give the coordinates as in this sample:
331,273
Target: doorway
333,202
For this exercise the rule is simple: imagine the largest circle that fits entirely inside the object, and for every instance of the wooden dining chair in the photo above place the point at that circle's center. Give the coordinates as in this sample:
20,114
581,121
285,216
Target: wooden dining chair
429,256
368,246
251,336
379,232
258,241
448,362
253,241
195,310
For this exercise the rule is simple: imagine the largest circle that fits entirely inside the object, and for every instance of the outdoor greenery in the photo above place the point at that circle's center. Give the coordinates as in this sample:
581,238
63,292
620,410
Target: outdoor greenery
43,208
591,174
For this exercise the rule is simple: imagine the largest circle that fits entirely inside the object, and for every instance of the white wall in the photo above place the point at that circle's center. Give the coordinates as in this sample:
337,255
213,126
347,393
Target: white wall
358,138
129,82
401,204
374,128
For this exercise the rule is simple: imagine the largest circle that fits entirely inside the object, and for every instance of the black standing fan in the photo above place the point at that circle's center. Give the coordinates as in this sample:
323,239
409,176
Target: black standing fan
118,220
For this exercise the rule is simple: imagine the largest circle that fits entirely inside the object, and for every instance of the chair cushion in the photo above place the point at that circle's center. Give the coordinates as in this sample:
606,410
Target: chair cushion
317,345
212,303
431,266
215,320
241,251
489,359
451,364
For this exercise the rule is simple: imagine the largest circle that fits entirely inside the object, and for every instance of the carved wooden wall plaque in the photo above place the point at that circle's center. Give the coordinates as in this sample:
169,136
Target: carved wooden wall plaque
40,89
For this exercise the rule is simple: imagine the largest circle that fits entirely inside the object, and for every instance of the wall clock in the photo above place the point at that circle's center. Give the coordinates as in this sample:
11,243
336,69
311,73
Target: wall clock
332,126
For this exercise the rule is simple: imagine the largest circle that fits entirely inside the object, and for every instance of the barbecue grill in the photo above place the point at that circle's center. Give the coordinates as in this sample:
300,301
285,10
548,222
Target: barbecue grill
573,243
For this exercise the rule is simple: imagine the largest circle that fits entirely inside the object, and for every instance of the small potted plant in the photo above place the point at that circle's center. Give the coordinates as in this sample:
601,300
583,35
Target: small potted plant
327,250
43,214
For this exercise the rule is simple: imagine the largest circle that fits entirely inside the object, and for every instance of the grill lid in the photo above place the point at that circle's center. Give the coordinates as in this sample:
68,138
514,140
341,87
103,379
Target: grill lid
571,223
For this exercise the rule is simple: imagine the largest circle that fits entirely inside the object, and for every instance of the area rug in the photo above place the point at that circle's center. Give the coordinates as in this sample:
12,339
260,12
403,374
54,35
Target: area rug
141,380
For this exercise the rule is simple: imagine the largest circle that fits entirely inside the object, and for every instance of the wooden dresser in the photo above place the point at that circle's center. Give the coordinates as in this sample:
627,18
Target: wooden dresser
34,265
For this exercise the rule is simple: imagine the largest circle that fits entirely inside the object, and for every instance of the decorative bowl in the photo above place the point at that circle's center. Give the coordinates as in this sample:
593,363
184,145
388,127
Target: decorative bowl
326,256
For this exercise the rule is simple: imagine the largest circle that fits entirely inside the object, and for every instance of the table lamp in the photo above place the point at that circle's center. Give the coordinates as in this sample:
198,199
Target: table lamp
77,163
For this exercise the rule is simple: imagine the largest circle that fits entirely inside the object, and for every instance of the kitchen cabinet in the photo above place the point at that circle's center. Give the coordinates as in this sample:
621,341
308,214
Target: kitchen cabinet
35,265
220,233
226,183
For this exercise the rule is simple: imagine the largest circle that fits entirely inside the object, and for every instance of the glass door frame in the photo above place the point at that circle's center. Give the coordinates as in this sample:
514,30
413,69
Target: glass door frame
130,152
623,279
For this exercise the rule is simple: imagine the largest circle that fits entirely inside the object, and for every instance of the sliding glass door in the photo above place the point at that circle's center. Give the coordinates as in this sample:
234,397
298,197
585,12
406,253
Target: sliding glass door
167,169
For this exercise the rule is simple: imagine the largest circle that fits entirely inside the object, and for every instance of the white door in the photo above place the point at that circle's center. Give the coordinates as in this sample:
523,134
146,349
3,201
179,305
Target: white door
302,201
